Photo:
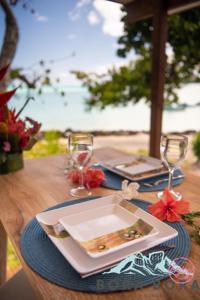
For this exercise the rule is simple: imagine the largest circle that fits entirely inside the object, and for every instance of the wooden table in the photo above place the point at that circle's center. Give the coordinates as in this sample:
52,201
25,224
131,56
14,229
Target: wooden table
42,184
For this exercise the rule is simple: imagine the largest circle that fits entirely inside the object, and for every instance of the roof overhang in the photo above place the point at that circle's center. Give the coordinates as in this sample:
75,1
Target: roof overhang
143,9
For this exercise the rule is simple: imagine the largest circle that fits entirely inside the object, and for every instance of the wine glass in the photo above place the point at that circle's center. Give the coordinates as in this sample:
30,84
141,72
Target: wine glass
69,164
80,148
173,149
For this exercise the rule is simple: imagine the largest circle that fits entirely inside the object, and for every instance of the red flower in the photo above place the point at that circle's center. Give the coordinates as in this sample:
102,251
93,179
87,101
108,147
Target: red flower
75,176
19,127
5,97
1,115
6,146
12,115
24,140
168,208
92,177
35,126
82,158
10,122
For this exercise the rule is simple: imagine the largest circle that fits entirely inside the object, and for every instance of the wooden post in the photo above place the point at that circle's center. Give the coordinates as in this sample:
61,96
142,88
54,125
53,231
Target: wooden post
158,74
3,254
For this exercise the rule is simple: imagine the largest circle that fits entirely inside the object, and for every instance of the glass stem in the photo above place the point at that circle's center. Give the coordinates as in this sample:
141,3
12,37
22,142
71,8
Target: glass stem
171,172
82,177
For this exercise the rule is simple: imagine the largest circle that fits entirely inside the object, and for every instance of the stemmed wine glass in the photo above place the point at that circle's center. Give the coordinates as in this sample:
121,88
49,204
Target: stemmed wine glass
173,149
80,148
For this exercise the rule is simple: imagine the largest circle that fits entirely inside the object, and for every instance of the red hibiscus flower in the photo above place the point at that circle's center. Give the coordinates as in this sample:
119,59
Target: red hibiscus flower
168,208
92,177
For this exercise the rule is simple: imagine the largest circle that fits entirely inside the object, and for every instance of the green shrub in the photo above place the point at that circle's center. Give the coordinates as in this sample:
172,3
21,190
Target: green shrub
196,145
52,135
52,140
50,145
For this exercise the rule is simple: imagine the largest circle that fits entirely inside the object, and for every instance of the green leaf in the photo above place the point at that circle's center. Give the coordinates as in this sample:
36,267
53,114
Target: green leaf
14,73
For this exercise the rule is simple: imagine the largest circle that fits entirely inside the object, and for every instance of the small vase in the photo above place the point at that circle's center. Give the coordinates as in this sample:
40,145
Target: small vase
12,163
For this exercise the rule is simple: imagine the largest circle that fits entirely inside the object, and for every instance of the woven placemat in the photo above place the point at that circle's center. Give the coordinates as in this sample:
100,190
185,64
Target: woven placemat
114,181
45,259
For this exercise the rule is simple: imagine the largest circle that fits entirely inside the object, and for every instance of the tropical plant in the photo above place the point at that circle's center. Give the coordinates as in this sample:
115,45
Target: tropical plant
16,134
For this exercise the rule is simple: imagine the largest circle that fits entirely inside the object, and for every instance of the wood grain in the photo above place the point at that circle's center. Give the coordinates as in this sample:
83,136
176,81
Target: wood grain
3,253
42,184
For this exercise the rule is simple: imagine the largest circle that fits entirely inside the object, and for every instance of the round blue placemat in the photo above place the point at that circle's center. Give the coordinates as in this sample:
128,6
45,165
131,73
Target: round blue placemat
114,181
45,259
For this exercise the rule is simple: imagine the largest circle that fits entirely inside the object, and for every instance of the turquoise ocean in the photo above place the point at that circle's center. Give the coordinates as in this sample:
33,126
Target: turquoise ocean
56,112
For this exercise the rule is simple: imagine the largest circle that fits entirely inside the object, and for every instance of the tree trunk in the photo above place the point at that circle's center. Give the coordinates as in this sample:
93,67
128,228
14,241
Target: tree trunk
11,37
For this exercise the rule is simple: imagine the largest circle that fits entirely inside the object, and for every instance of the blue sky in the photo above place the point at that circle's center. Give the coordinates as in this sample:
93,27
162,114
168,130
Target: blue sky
59,28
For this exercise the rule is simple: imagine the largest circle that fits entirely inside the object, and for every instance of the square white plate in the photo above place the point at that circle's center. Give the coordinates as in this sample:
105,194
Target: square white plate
83,263
135,167
109,228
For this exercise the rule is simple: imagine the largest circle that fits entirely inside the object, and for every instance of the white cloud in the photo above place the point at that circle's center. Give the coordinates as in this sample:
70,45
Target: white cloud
111,15
93,18
41,18
71,36
74,14
106,11
83,3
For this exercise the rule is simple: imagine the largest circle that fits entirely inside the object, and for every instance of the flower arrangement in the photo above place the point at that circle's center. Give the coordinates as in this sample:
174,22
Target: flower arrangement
16,134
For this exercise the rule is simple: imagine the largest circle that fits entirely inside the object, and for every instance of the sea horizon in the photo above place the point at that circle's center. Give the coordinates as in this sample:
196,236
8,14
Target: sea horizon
61,113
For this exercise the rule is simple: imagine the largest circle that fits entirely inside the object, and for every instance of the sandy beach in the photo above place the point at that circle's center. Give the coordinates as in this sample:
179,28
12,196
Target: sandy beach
135,143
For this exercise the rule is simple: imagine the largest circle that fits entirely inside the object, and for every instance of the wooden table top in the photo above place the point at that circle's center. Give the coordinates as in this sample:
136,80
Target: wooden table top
42,184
